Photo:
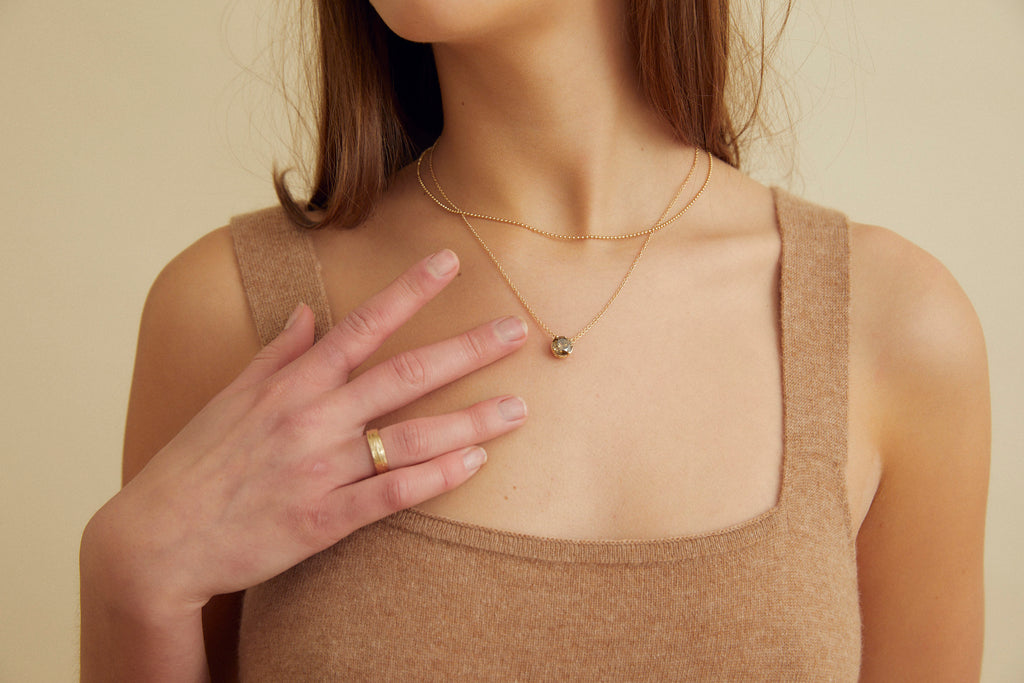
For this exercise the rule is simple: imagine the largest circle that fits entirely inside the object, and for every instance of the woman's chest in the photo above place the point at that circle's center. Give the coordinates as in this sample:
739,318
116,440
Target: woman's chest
666,420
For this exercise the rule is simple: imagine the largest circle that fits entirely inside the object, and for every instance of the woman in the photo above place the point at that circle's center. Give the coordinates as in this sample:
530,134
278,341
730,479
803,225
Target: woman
761,453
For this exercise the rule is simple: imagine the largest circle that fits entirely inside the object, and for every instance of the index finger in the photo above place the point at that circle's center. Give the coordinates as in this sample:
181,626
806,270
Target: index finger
367,326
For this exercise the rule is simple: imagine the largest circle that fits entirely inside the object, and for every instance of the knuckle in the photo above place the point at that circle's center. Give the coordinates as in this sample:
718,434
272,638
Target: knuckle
448,478
311,523
410,369
364,321
271,390
474,345
411,286
412,439
313,468
397,492
479,421
265,354
297,424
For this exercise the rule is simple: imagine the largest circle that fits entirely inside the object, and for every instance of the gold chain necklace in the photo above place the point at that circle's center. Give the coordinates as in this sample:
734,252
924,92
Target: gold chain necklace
451,207
562,346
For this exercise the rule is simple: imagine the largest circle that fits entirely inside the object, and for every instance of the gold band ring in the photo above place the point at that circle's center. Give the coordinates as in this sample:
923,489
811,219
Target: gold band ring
380,461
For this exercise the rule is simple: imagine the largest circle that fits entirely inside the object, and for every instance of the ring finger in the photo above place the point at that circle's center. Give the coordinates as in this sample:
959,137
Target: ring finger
414,441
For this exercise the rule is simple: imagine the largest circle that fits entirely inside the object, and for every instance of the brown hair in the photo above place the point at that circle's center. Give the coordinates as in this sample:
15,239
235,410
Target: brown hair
379,101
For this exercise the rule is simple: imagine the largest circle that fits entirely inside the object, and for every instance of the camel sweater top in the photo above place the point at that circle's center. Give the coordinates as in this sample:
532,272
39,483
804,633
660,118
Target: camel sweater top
416,597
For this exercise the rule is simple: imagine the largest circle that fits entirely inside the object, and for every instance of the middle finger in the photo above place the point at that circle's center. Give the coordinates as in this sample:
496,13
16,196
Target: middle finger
409,375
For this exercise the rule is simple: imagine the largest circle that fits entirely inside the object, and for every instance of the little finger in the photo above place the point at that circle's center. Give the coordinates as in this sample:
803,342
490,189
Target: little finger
350,507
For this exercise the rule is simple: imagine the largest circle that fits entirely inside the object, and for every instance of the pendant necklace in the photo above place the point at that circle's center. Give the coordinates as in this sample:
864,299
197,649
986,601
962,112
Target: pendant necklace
561,345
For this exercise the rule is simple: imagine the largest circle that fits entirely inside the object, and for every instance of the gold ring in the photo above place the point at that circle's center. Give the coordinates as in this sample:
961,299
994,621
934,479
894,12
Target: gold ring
380,461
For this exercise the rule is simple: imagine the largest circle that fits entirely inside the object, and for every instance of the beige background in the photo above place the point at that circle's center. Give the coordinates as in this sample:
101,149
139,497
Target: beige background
129,129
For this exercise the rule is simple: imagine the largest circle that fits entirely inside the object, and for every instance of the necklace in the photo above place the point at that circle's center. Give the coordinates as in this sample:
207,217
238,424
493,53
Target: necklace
451,207
561,346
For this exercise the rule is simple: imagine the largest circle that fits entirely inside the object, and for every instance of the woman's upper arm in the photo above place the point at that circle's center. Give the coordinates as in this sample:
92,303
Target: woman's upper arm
920,547
195,337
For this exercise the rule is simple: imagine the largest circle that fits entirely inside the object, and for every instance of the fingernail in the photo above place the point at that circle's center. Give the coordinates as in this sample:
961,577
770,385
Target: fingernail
512,408
294,316
474,459
510,329
442,263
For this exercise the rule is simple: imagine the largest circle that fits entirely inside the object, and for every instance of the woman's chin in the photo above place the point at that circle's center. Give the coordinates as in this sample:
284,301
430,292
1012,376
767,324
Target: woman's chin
430,21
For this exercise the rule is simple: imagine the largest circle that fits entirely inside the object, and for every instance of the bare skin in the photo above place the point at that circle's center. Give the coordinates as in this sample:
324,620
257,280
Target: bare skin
542,127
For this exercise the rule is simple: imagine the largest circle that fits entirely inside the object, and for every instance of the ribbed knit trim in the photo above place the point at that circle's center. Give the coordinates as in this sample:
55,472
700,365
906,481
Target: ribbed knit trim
279,271
814,286
585,551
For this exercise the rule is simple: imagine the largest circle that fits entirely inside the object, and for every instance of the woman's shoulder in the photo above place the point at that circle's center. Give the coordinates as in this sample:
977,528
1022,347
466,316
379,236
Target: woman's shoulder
918,350
904,302
921,326
199,296
203,291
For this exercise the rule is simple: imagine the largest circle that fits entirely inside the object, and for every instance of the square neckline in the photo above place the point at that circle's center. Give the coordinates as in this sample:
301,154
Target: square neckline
279,268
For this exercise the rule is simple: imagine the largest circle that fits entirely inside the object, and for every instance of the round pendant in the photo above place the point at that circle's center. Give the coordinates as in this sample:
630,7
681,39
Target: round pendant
561,347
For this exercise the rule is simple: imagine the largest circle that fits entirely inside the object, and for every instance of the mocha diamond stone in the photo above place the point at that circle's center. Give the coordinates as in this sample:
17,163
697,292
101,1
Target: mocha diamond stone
561,347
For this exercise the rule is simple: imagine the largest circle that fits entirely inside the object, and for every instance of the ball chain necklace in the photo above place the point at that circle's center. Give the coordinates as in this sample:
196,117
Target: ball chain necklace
561,346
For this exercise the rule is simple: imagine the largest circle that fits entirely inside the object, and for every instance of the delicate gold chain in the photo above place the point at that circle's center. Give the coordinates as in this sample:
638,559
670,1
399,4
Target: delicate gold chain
647,234
533,313
452,207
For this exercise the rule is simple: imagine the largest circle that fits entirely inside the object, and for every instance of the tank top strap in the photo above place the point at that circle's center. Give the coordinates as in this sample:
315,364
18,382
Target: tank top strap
279,270
814,319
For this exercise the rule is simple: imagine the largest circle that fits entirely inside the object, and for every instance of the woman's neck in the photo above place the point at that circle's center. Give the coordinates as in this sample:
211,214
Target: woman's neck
545,124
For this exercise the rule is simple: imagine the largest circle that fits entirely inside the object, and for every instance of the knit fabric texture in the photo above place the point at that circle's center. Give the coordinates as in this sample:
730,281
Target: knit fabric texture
416,597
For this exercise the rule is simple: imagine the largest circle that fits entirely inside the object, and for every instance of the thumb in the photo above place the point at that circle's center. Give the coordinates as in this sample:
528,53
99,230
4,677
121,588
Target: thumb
295,339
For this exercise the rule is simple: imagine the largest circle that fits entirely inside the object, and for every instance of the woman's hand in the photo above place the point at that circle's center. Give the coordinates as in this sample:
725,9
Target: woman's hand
277,467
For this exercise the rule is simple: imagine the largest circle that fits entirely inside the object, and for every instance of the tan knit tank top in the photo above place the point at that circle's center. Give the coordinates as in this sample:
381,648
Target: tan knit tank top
417,597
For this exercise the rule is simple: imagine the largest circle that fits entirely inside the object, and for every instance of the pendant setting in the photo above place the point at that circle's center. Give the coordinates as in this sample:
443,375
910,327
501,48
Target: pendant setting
561,347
